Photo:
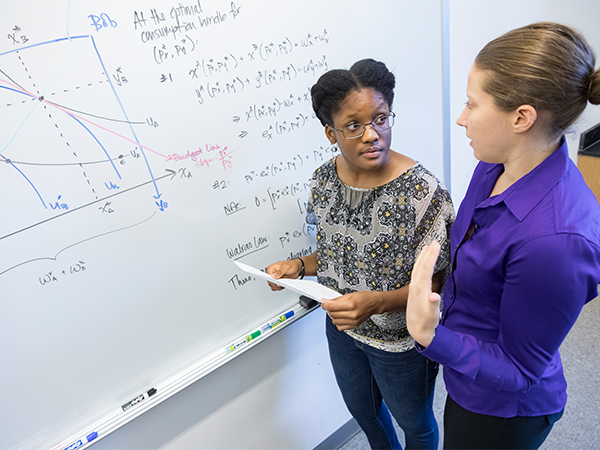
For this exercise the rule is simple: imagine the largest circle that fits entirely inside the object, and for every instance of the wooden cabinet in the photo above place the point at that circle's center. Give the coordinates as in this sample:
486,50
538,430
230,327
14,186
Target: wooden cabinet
588,158
589,166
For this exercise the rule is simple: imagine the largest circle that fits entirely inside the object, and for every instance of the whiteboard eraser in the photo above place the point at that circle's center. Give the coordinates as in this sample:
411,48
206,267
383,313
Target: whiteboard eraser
307,302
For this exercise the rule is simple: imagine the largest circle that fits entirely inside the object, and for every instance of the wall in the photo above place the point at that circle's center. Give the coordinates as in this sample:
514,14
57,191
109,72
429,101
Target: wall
474,23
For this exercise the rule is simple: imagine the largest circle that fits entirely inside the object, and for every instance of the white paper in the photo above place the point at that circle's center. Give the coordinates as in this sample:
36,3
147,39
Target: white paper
309,288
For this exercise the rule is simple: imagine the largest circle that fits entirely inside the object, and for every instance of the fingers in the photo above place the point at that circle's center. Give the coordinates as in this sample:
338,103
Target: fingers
421,283
346,311
343,320
275,287
434,300
276,272
336,304
425,264
282,269
429,254
423,305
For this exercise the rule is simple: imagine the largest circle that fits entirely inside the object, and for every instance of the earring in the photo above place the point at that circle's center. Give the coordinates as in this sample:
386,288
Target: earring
334,147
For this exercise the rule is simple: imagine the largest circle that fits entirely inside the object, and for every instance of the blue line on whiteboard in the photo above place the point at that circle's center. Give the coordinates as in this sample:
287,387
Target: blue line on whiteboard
78,121
58,216
41,96
161,204
44,43
17,91
99,143
22,123
14,82
158,194
28,180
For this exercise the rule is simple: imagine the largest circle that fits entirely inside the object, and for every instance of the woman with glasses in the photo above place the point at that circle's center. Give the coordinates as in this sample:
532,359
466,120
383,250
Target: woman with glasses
525,244
374,210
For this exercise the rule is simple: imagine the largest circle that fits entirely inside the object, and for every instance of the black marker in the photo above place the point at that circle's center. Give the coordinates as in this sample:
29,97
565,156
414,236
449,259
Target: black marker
139,399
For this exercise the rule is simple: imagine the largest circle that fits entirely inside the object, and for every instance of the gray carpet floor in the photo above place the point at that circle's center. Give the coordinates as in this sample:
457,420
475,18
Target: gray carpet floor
579,428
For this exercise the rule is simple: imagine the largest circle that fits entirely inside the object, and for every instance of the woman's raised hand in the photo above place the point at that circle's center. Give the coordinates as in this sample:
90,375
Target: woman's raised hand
423,306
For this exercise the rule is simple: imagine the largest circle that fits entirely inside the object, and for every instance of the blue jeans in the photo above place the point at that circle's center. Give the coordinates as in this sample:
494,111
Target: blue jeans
405,381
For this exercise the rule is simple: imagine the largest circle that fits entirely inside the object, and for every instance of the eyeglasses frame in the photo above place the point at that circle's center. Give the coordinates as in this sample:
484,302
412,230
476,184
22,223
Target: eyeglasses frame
391,114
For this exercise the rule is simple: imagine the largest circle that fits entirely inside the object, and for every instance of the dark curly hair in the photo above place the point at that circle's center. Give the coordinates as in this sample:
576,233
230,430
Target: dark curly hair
334,86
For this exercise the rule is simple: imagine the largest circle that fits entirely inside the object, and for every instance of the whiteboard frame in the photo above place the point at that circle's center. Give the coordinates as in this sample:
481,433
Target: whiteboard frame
172,385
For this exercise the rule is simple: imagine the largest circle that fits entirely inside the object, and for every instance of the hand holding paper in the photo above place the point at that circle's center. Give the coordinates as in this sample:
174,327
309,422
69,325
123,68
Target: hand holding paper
309,288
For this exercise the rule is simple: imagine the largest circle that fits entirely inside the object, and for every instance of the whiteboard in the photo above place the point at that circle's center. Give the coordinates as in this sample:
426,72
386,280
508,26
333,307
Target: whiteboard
143,146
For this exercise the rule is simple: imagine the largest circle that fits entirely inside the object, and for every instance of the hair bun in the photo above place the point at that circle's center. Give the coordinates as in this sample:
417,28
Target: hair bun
594,88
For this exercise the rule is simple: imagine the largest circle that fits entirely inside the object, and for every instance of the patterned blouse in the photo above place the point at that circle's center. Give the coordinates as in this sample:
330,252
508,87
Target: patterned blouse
368,240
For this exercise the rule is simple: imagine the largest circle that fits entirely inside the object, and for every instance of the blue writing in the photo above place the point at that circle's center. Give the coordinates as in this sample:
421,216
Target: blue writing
102,21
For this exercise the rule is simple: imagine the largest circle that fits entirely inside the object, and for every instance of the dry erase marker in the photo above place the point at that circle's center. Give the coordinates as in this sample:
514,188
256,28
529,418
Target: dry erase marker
273,323
252,336
236,345
139,399
243,341
79,442
284,317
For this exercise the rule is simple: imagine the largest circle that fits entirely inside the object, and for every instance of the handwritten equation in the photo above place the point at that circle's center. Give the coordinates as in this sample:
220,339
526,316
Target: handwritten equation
261,78
54,276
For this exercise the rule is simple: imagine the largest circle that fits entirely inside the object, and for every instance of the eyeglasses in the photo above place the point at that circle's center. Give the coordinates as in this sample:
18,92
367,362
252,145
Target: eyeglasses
357,129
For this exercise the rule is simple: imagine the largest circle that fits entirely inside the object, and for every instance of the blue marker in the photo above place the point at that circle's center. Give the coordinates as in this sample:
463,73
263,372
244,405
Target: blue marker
79,442
278,321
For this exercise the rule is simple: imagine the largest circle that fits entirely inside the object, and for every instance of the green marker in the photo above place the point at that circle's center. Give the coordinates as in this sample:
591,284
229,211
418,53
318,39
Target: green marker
253,336
242,341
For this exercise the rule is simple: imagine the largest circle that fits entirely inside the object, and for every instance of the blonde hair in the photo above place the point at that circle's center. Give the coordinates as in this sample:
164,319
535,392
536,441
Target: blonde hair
546,65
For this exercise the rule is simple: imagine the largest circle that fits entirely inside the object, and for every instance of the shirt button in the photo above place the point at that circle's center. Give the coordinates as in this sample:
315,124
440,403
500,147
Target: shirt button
476,226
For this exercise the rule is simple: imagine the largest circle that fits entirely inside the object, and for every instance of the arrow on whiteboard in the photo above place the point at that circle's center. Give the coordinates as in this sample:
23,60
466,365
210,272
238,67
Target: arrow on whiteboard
236,119
171,172
243,134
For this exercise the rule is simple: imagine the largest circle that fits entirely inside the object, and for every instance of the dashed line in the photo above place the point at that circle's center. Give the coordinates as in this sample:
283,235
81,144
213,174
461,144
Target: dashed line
52,93
41,98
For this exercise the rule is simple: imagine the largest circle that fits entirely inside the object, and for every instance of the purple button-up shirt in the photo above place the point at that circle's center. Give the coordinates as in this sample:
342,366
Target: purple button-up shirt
516,288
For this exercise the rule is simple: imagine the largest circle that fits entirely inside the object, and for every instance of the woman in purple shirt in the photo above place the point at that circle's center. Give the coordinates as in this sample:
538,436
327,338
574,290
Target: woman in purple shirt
525,245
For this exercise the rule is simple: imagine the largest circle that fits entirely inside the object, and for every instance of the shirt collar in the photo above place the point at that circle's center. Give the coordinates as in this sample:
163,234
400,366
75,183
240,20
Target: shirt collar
527,192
